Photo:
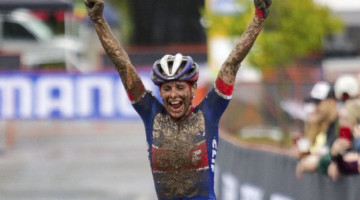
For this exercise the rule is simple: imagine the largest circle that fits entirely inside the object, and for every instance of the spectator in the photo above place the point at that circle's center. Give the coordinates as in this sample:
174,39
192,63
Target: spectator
342,153
321,123
320,127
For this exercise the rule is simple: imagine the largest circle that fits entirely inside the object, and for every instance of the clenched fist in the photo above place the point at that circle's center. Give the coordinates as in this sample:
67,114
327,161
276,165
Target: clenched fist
262,7
340,146
94,8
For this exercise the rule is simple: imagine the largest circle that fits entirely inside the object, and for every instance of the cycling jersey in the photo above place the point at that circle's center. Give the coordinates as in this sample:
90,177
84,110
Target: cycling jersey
182,154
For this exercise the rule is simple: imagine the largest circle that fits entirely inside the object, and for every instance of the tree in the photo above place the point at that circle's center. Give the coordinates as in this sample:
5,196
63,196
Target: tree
122,6
294,29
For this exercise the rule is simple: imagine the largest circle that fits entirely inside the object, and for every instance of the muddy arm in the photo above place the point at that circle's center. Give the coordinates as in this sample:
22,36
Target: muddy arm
243,45
129,76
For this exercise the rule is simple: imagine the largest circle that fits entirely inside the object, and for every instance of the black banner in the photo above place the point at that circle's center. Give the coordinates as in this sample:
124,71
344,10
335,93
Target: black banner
251,174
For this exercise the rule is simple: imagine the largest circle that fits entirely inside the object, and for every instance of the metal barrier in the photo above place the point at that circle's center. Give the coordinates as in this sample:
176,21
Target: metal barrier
248,173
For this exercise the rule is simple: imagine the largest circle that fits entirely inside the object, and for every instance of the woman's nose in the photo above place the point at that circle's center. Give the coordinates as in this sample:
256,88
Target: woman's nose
173,93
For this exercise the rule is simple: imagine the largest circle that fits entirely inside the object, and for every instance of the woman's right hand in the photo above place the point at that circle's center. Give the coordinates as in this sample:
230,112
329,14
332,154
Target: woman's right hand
262,7
94,8
340,146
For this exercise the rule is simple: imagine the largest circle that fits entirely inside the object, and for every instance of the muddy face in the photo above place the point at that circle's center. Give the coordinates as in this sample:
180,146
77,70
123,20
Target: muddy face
179,156
177,96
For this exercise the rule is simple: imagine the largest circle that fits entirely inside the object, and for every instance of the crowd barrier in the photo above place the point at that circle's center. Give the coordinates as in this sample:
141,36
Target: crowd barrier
249,173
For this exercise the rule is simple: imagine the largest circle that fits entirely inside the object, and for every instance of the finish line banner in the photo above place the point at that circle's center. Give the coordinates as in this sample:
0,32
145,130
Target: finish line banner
65,96
251,174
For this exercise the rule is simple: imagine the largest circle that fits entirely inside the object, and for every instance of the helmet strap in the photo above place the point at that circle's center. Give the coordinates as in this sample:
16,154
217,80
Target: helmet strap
191,92
191,97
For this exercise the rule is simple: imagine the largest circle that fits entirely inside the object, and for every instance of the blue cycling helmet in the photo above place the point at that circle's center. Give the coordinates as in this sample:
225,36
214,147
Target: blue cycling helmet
174,68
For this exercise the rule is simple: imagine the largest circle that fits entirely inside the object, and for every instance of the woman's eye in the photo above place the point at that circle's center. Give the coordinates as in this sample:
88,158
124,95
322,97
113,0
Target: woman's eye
180,87
166,89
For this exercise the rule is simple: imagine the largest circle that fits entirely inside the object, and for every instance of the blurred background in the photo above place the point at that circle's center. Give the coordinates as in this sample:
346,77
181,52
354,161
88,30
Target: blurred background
67,130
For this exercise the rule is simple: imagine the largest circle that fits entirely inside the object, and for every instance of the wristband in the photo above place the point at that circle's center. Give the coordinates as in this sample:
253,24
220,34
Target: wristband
259,13
223,87
335,158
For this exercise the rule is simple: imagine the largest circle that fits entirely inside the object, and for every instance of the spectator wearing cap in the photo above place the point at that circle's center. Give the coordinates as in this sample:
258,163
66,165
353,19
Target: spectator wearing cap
321,126
321,123
347,87
345,158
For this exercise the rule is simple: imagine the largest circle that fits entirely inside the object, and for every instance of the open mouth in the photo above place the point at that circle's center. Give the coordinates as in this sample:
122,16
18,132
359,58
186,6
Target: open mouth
176,105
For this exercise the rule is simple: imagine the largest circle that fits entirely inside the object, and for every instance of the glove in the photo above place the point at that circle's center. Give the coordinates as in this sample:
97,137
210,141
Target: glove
95,8
262,8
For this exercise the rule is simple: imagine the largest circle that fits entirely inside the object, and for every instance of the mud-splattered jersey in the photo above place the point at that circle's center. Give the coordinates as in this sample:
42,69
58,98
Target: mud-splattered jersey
182,154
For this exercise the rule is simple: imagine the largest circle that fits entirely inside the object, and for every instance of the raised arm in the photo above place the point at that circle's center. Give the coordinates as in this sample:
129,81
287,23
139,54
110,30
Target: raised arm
130,78
231,65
